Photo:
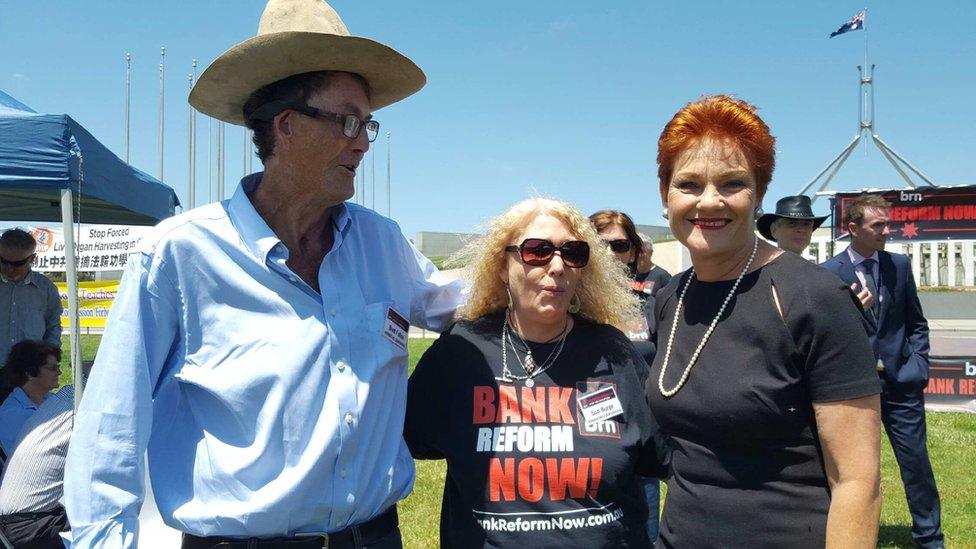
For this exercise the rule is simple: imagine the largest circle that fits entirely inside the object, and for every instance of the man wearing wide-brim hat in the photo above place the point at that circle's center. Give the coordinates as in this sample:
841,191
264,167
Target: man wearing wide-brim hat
257,347
792,226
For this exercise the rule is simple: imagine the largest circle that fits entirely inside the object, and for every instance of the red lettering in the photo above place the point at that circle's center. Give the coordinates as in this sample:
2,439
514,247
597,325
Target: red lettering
967,386
941,386
965,212
565,476
596,476
531,486
501,479
508,408
484,405
533,405
559,405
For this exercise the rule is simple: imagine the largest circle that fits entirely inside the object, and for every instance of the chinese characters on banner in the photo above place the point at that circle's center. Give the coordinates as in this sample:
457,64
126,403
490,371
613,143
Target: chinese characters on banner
100,247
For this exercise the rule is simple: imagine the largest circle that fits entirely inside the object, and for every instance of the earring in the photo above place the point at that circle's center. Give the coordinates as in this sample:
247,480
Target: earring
509,292
664,213
758,212
575,304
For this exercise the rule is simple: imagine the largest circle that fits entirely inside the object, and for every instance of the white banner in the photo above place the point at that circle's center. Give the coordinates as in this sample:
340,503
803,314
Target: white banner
100,247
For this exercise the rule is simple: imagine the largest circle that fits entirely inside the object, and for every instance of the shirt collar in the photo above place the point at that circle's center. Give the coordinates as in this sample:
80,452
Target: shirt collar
857,259
20,396
29,279
254,230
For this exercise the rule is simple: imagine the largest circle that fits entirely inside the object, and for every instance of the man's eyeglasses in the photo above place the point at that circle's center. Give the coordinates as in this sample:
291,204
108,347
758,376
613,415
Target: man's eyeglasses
620,246
539,251
351,124
18,263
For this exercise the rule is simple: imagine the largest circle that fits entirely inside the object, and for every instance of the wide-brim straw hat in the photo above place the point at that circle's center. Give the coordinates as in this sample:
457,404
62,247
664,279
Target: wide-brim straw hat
295,37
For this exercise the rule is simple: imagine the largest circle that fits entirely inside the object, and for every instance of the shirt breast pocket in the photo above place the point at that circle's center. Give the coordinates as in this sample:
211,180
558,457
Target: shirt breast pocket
382,340
34,324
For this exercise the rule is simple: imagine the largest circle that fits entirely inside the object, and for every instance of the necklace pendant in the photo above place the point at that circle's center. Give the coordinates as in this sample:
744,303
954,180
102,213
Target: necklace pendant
529,383
529,364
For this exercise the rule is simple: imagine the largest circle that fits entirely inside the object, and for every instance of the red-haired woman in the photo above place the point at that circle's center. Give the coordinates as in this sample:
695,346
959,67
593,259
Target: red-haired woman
764,378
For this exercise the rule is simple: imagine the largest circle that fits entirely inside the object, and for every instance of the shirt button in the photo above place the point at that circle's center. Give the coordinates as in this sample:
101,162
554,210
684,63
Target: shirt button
341,366
332,311
293,279
342,473
349,418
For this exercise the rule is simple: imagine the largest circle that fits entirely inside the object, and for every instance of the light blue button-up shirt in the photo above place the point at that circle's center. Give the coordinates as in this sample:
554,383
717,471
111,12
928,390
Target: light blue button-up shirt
267,408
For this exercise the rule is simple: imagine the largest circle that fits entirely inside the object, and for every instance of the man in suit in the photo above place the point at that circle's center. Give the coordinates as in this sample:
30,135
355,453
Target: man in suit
899,334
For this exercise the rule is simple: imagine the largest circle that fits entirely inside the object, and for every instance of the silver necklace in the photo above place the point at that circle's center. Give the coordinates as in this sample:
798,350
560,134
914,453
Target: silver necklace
508,376
529,364
711,328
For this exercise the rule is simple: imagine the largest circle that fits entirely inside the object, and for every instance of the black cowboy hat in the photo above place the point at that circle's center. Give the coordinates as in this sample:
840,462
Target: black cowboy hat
791,207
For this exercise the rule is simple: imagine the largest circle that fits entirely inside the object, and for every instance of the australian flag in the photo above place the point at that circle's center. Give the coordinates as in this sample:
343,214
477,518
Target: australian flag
856,23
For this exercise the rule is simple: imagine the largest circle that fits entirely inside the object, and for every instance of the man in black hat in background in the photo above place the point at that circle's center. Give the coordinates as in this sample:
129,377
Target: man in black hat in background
792,226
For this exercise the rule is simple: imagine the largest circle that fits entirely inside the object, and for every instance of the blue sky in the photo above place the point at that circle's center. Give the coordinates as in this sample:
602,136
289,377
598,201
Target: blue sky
559,98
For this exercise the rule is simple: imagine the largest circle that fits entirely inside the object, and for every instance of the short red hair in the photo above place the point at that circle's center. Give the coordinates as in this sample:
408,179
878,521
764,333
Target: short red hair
718,117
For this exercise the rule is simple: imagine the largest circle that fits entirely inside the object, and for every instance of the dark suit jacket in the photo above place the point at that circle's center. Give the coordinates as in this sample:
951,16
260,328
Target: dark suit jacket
900,336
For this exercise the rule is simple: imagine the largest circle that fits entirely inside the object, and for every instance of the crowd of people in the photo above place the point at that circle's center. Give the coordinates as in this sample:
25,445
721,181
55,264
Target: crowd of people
255,358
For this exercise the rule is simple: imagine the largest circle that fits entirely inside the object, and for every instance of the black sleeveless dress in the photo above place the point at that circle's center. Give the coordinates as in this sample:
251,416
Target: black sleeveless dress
747,468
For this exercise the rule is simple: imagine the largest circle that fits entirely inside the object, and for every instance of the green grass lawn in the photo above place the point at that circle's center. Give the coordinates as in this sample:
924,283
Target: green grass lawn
952,447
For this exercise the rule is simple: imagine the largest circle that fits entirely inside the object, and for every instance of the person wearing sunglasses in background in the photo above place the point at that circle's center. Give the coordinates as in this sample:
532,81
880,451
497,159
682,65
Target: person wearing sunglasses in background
619,234
534,397
30,304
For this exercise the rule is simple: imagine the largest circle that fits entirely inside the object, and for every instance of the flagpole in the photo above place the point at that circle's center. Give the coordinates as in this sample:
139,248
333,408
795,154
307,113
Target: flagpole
209,160
128,73
865,37
389,199
373,160
193,140
190,189
361,184
869,72
162,91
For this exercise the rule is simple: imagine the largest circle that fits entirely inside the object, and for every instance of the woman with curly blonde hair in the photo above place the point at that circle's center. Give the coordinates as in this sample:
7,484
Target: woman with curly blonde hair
534,397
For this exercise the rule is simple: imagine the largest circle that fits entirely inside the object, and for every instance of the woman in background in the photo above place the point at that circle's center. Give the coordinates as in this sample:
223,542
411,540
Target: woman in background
618,232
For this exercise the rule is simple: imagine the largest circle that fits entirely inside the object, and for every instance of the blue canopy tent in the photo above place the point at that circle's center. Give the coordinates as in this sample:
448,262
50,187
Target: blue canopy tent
52,169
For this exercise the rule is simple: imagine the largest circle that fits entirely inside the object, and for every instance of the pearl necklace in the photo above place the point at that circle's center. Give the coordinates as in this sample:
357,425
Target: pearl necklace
711,328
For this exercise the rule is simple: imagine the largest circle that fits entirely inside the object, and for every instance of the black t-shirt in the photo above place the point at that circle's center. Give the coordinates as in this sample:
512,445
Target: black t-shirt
643,330
654,280
747,469
522,469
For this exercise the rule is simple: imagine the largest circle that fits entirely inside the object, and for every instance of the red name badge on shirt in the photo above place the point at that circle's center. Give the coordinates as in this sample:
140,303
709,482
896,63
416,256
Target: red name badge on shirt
599,405
396,328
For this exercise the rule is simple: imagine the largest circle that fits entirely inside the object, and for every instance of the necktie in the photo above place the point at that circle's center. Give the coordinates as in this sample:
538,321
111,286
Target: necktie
872,285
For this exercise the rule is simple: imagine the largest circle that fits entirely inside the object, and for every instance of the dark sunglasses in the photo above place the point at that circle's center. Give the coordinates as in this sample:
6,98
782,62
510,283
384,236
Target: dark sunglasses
539,251
19,263
620,246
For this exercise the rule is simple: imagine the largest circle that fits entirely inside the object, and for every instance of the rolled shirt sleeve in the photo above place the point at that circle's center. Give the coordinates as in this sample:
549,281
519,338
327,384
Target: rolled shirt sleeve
106,458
